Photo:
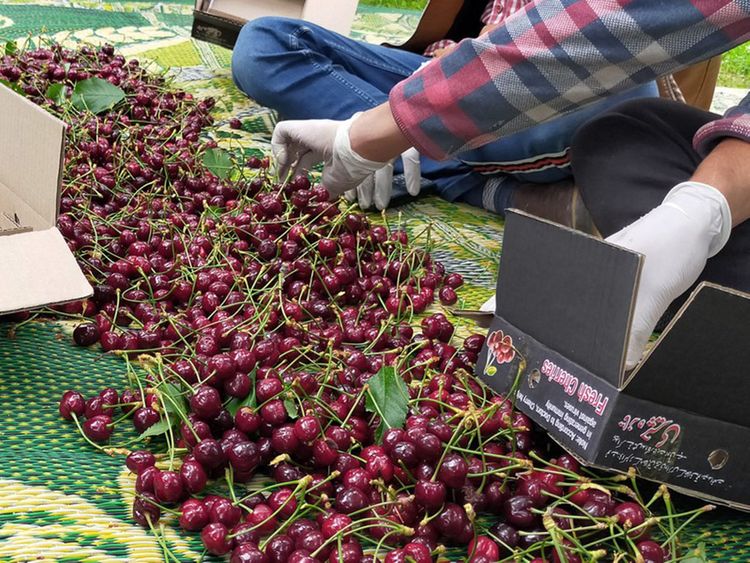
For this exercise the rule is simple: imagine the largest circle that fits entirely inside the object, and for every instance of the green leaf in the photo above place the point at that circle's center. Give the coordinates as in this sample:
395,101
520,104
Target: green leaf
291,408
388,397
11,48
236,404
96,95
56,93
174,402
219,162
161,427
226,135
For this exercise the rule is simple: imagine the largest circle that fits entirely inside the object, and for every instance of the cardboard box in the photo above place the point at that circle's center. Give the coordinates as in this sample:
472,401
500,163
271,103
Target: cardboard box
564,305
220,21
37,266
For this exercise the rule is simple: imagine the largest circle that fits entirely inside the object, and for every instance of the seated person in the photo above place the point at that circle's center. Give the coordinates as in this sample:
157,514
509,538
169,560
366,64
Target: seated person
304,71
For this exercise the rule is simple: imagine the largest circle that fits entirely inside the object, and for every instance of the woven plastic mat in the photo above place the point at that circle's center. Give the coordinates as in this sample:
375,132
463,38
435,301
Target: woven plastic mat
59,499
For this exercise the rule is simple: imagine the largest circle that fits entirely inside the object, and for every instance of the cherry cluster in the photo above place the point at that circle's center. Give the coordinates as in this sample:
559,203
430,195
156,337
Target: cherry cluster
263,317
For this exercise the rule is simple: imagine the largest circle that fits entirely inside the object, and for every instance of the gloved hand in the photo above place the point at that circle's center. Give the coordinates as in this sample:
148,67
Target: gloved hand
299,145
676,238
378,187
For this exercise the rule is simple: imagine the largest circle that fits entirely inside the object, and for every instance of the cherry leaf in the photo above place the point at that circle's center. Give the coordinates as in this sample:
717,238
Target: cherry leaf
157,429
56,93
219,162
96,95
388,397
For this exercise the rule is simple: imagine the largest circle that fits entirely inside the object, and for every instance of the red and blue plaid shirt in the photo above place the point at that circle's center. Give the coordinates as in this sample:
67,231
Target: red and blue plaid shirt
554,56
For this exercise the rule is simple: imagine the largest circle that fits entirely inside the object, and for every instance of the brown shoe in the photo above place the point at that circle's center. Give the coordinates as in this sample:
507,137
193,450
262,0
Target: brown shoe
559,202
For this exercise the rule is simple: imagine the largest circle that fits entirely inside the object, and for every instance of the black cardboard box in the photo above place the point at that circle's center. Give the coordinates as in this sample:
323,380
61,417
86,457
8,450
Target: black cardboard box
564,304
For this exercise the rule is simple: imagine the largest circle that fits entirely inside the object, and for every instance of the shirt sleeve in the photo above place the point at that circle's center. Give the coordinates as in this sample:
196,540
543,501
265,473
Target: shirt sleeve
494,12
735,123
553,57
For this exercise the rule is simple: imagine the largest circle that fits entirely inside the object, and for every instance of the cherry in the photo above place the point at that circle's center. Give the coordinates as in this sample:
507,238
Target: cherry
72,403
144,482
247,552
518,512
447,295
452,521
630,515
506,535
283,502
453,470
279,549
193,476
98,428
168,486
193,516
651,551
86,334
206,402
350,552
245,533
430,494
215,539
247,420
224,512
144,418
244,456
209,454
139,460
146,511
483,546
307,428
351,500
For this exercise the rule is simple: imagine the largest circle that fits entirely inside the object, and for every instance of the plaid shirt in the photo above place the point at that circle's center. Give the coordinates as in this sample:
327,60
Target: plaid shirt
555,56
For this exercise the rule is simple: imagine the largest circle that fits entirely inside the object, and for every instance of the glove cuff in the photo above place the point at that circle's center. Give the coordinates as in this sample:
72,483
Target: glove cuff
347,154
696,198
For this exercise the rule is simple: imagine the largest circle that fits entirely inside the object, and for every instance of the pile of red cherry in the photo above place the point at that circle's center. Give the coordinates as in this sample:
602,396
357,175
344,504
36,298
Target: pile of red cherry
261,312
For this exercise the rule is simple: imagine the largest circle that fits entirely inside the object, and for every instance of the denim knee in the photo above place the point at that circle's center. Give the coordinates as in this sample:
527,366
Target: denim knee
253,56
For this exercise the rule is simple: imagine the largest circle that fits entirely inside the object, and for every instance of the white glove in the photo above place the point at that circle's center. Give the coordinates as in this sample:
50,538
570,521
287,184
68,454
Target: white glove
299,145
378,187
676,238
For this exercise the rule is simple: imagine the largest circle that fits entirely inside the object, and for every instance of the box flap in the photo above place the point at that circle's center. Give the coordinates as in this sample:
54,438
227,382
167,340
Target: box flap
38,269
331,14
700,362
568,290
245,10
31,151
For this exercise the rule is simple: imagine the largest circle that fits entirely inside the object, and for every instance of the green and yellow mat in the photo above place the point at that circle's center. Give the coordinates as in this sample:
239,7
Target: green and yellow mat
59,499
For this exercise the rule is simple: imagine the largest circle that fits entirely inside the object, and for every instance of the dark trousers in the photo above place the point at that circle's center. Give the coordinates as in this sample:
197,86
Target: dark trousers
627,159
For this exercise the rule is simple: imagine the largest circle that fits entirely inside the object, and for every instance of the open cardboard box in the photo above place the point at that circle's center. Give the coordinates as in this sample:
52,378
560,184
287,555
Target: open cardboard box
37,266
564,305
220,21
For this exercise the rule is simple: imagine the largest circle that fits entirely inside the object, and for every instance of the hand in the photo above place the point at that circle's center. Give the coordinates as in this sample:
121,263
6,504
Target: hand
444,51
299,145
377,187
676,238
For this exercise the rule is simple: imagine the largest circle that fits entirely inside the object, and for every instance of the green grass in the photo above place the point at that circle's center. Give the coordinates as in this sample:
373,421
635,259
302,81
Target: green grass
735,68
399,4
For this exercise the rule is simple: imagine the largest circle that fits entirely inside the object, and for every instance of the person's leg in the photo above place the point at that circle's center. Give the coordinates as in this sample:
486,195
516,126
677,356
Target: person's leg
626,161
541,154
531,170
305,71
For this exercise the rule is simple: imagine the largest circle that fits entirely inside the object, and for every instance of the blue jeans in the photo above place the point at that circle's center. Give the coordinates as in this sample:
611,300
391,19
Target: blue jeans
304,71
